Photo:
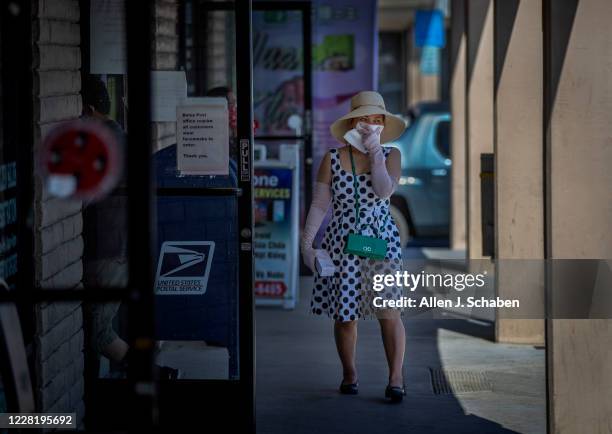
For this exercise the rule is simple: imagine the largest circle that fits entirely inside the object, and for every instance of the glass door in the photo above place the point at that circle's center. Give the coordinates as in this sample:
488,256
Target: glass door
202,112
136,302
282,82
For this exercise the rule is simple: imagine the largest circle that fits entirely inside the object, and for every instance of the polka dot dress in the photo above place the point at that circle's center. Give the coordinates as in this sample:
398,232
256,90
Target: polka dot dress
348,294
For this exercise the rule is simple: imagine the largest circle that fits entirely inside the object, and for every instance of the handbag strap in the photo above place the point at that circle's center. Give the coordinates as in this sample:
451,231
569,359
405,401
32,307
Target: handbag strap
355,185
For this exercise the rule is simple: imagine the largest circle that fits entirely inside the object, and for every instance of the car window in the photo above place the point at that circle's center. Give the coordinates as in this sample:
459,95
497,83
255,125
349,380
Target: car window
443,138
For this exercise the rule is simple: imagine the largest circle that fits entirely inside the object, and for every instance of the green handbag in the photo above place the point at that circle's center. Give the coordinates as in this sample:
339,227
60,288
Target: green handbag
362,245
367,247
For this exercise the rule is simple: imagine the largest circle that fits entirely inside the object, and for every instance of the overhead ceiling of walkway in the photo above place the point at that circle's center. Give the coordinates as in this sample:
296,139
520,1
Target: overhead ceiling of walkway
403,4
398,14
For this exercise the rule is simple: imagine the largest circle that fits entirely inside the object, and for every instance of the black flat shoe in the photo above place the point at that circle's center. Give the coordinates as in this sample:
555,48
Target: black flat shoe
349,389
395,393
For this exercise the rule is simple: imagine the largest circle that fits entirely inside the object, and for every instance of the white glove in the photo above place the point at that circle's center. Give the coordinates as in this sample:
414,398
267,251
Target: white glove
321,199
382,183
310,255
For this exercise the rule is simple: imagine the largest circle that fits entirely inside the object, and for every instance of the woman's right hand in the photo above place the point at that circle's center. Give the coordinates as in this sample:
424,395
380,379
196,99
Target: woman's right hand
370,136
309,255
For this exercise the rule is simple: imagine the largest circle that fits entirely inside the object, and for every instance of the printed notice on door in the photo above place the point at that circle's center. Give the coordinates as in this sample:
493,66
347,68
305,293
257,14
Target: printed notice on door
202,140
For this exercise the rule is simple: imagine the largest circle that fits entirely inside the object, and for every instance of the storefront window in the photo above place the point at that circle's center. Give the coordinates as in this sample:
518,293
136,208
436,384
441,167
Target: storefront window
197,204
111,305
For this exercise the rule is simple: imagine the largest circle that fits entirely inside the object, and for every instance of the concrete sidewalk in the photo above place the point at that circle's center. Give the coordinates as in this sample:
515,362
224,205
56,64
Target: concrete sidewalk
298,373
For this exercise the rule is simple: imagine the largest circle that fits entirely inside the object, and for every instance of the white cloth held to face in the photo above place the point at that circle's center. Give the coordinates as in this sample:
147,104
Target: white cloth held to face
361,131
370,136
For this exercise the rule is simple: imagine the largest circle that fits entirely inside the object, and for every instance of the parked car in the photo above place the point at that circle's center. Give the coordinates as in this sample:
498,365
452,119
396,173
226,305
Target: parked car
421,203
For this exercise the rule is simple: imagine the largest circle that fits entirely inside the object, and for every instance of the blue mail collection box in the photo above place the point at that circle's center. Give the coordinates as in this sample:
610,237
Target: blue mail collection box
197,262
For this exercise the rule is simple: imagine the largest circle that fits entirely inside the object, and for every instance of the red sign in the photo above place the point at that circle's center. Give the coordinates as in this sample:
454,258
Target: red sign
81,159
270,288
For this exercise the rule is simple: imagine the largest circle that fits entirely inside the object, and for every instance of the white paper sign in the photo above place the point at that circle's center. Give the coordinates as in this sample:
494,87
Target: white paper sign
206,100
202,139
169,90
107,37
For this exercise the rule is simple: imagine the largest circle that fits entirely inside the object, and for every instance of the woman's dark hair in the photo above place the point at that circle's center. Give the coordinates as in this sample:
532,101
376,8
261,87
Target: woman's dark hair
218,91
95,94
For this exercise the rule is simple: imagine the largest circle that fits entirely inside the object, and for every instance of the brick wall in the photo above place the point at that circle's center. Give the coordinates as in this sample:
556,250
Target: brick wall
164,52
58,244
220,49
210,57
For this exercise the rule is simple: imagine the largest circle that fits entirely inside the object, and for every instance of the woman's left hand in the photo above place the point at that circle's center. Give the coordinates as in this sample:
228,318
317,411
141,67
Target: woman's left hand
371,136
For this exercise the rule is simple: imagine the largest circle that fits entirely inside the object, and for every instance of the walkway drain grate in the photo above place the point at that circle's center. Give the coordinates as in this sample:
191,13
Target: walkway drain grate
445,382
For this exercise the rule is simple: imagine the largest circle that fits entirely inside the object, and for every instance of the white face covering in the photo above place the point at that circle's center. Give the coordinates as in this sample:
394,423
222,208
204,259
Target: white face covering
354,137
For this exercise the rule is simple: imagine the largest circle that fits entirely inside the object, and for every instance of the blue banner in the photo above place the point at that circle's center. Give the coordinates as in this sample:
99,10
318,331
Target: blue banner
429,29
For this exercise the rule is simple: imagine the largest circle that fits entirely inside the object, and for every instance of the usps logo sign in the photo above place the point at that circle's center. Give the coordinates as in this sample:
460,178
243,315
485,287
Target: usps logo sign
183,267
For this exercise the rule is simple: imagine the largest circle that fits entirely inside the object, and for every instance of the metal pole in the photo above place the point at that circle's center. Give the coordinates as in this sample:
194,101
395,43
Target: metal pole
140,224
244,100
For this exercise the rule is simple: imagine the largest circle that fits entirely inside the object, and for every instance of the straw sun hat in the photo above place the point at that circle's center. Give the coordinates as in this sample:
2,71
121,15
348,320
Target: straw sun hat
366,103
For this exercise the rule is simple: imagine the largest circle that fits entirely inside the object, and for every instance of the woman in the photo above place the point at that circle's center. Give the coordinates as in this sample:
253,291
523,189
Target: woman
347,295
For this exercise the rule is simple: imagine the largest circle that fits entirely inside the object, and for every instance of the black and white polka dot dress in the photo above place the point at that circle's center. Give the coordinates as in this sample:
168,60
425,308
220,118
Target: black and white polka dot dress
348,294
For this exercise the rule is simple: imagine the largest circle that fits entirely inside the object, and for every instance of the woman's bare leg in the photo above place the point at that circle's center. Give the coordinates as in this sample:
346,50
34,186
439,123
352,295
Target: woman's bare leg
394,341
345,334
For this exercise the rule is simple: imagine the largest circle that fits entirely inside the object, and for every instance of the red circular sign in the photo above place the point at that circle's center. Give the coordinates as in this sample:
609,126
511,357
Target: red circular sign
81,159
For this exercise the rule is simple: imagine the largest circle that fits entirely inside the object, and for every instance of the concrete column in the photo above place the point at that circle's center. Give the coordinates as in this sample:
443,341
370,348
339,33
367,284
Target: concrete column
479,111
579,193
457,102
420,87
519,153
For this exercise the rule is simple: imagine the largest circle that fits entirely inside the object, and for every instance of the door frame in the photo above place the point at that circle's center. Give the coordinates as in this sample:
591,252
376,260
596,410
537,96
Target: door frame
214,402
142,402
305,7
